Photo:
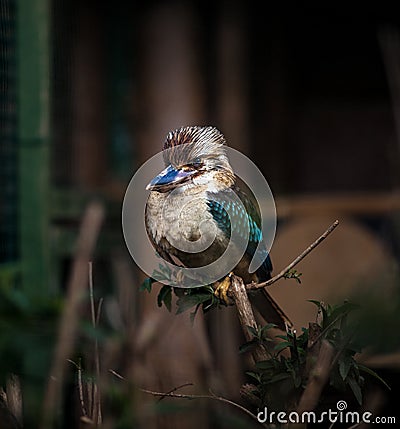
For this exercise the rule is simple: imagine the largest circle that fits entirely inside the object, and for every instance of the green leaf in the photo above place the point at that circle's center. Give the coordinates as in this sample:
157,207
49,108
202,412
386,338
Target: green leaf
296,380
146,285
356,389
266,328
165,269
265,364
159,276
281,346
165,296
209,289
293,274
188,301
344,366
211,303
339,311
248,346
374,374
253,331
279,377
193,314
283,337
254,375
321,308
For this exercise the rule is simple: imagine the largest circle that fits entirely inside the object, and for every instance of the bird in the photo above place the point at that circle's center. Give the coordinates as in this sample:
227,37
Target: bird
190,200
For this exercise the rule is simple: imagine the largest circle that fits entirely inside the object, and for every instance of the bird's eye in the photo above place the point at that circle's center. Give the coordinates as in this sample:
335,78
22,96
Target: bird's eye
197,163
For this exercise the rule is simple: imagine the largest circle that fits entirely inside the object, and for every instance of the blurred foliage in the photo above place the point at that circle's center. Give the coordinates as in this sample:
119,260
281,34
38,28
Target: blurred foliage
26,324
28,327
281,379
27,336
378,322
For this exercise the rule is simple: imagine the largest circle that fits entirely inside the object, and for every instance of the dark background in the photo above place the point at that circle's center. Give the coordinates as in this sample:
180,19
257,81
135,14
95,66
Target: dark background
311,93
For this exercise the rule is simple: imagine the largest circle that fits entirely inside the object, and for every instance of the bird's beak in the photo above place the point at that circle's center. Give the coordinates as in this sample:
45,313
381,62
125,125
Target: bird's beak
169,178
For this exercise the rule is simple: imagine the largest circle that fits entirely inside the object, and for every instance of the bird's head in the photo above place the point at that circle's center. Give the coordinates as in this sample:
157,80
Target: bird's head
192,155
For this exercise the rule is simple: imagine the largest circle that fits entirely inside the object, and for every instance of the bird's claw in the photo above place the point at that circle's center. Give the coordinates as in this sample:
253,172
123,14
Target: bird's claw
222,288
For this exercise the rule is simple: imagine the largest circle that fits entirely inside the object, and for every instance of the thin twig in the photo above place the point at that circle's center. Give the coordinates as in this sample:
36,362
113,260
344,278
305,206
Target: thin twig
80,386
269,282
172,394
96,400
212,396
115,373
99,307
175,389
91,294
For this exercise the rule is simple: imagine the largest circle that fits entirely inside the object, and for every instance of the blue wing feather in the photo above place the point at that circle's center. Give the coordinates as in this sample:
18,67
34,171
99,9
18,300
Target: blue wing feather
221,203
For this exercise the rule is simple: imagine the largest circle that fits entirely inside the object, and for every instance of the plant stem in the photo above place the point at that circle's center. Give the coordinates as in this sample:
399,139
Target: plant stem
312,246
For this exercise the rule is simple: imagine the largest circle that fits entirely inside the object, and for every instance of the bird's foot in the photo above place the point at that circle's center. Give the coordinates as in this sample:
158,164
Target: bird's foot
222,288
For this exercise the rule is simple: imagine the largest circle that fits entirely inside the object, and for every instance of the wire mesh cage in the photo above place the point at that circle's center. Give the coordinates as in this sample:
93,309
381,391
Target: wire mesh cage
8,134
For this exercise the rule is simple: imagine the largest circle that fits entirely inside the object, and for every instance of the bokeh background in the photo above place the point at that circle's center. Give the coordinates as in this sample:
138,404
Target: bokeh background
89,90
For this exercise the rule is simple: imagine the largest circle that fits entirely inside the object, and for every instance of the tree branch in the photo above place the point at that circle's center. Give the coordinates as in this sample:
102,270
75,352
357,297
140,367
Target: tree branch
172,394
174,390
212,396
269,282
246,315
318,377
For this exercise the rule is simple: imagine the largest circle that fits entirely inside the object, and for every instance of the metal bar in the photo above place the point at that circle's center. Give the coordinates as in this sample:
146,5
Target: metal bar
33,137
